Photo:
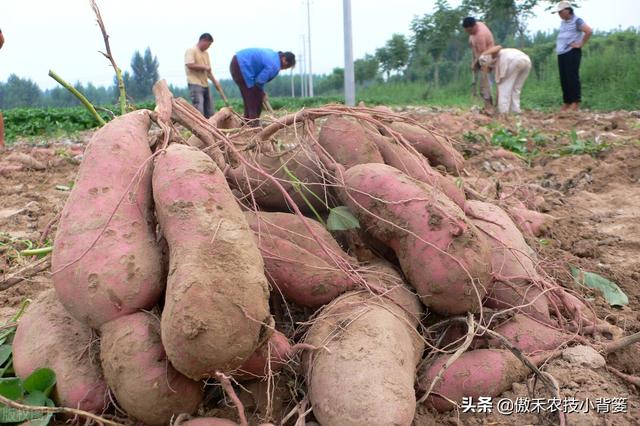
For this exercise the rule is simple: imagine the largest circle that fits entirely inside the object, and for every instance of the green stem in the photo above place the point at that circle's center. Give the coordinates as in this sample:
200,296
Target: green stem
78,95
296,185
123,93
35,252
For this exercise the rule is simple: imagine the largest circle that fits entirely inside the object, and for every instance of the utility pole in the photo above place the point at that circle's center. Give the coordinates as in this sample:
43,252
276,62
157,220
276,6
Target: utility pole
309,41
349,74
301,65
293,87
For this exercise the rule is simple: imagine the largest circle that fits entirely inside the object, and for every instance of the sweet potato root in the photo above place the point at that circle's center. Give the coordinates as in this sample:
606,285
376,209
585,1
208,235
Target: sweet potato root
436,148
295,263
364,368
347,142
138,372
417,167
442,254
121,273
270,357
216,303
529,335
48,337
286,167
533,302
482,372
531,222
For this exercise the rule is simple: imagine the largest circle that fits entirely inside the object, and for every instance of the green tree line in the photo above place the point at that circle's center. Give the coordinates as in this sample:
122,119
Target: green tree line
428,64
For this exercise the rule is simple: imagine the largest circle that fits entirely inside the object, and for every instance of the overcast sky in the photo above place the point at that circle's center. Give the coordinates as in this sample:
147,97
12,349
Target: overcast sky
62,35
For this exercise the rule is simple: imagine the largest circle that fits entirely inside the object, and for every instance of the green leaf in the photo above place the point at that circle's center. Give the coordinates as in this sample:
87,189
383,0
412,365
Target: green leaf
5,353
42,380
11,387
7,369
44,420
612,293
35,399
341,219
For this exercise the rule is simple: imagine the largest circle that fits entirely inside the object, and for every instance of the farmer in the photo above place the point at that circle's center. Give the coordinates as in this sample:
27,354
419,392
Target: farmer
511,68
251,69
573,34
1,117
198,68
480,39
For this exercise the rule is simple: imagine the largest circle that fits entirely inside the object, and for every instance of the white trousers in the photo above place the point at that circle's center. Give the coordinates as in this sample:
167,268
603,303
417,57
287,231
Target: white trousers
511,84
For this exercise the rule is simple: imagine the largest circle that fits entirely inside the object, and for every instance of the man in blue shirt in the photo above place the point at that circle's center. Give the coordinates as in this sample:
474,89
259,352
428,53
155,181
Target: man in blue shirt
573,34
251,69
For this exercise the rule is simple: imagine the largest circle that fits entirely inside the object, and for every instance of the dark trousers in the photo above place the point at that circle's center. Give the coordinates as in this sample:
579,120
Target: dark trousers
201,99
569,67
251,96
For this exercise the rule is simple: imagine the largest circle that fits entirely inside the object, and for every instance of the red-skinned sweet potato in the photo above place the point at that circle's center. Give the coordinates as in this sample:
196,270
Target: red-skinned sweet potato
364,368
294,164
271,356
512,262
48,337
347,142
121,273
417,167
482,372
296,264
529,335
531,222
436,148
138,372
216,302
504,295
444,257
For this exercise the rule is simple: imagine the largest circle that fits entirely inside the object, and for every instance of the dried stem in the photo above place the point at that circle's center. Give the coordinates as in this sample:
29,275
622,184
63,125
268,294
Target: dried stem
25,273
57,410
123,94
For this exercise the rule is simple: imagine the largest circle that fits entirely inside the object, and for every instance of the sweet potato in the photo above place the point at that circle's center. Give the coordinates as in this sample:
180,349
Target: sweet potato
364,368
531,222
482,372
291,227
208,421
286,167
138,372
380,274
271,356
295,263
417,167
511,257
347,142
529,335
442,254
437,149
504,295
121,273
216,302
225,118
512,262
48,337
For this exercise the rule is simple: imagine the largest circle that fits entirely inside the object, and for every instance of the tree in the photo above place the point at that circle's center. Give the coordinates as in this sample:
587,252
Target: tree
394,56
18,92
435,32
144,75
506,18
366,69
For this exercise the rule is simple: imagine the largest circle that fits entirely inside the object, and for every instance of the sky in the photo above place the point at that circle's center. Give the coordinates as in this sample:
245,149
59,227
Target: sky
63,36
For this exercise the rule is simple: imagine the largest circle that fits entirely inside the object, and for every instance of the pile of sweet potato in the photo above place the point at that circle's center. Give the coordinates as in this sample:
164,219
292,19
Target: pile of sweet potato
173,273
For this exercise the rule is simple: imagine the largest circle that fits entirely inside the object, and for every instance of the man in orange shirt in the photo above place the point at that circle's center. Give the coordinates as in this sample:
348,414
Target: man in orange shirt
480,39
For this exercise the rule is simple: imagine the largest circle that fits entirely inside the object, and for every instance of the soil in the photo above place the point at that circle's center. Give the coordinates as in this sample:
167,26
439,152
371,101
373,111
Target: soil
594,195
